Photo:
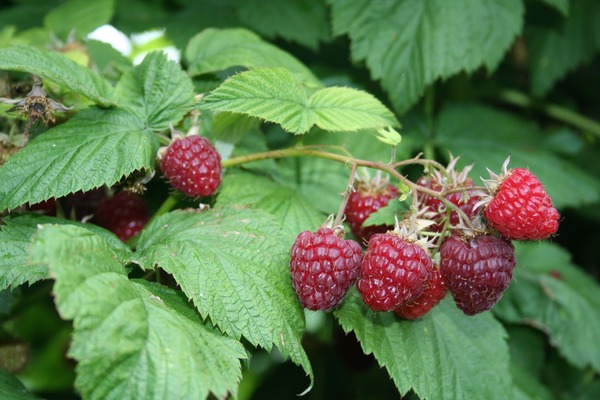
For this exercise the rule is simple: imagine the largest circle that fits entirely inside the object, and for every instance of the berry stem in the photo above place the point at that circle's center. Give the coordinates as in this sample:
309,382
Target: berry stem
390,169
345,196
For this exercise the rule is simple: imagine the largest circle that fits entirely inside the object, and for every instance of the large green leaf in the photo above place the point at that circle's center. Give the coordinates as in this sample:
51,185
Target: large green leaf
549,293
79,17
233,263
290,208
445,355
487,137
409,44
276,95
557,50
560,5
214,50
157,90
302,21
96,147
11,388
132,339
16,239
59,69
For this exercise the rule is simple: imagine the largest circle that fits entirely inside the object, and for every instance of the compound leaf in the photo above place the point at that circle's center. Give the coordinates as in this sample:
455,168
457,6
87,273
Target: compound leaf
548,292
233,263
288,206
59,69
132,339
157,90
96,147
276,95
554,51
79,17
16,239
214,50
302,21
12,388
409,44
439,356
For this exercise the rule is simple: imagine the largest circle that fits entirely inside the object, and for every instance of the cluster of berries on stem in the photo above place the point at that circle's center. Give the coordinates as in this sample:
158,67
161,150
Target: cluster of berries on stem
456,237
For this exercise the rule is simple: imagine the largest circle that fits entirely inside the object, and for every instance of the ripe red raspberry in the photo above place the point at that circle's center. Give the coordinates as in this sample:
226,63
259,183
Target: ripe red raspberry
520,208
124,214
192,165
323,266
434,292
364,201
393,271
477,270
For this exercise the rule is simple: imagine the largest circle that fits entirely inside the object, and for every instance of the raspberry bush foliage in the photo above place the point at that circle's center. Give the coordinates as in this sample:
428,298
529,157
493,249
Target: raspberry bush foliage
334,199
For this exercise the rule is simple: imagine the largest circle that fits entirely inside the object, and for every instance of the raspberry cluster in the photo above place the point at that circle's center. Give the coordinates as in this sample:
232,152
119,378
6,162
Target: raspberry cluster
457,238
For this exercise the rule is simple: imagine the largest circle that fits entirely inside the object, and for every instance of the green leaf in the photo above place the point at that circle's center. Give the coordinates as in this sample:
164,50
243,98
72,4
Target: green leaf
560,5
157,90
385,215
555,51
487,137
79,17
11,388
289,207
233,263
15,242
548,292
276,95
303,21
132,339
410,44
528,387
214,50
96,147
59,69
445,355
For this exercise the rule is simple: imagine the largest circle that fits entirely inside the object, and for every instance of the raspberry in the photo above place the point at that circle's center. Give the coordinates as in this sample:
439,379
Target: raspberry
124,214
520,208
192,165
392,272
434,292
323,266
477,270
364,201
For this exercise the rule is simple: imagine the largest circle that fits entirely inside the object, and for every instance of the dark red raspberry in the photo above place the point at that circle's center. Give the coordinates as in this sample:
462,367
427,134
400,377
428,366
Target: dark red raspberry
364,201
393,271
477,270
434,292
520,208
192,165
323,266
124,214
